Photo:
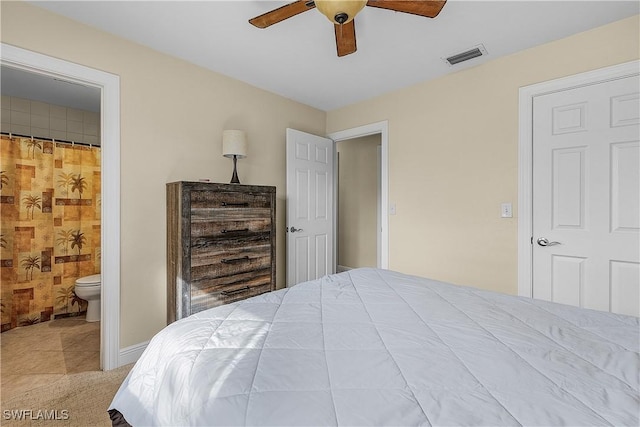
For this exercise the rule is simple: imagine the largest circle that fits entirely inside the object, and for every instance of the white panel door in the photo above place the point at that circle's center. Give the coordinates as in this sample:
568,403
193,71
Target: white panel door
309,206
586,196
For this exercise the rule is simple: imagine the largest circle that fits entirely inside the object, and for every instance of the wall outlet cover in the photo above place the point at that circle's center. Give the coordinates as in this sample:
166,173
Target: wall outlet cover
506,211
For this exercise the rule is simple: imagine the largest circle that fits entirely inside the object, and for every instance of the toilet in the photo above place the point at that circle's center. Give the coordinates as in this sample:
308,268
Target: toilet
88,288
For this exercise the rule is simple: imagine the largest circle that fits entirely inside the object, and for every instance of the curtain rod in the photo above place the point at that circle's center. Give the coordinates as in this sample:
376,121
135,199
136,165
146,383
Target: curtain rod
62,141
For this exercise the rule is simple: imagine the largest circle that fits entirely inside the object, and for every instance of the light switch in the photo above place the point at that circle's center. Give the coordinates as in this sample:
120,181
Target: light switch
392,209
506,210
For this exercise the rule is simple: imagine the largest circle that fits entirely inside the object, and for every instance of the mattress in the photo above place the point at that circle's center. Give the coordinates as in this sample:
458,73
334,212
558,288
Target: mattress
376,347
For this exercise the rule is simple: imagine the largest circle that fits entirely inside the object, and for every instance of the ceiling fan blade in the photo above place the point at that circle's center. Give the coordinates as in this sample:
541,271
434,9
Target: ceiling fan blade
282,13
428,8
346,38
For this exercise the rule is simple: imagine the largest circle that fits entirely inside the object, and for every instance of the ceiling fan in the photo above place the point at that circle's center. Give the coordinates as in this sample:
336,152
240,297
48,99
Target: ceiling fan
342,12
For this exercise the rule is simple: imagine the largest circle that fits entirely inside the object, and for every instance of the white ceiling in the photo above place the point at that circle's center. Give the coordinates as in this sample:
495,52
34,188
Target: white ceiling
38,87
297,57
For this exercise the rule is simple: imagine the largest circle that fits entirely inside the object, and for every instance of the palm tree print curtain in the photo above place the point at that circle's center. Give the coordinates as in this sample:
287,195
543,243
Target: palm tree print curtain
50,229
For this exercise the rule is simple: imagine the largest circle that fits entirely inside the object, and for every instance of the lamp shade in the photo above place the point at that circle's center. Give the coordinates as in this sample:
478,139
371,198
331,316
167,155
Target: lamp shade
234,143
340,11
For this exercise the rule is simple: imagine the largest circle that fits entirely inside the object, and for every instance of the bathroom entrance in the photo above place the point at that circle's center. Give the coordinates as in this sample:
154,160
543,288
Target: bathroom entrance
50,196
50,234
111,356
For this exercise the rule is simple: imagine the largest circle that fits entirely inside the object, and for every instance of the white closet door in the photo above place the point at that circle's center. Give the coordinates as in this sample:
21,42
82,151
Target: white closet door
586,197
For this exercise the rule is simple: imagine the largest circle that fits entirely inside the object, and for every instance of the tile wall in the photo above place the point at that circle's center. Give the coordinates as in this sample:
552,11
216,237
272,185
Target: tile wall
39,119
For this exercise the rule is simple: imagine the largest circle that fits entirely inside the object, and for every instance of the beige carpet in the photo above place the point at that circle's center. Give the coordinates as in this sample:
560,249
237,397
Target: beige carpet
81,398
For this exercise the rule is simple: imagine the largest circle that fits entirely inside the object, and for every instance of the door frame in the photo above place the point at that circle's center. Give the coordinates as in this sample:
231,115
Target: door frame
525,155
110,181
381,128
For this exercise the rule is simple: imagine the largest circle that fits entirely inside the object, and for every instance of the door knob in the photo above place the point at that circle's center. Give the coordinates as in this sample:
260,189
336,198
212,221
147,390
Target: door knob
293,229
542,241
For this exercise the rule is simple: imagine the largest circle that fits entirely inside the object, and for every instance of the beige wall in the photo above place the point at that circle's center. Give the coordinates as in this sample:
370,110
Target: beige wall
358,201
453,153
172,117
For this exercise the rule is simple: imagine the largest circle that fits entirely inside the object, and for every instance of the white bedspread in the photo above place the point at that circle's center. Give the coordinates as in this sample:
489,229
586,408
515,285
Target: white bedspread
374,347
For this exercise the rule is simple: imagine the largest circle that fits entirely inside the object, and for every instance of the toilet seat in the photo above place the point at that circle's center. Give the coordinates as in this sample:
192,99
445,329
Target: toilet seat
88,285
93,280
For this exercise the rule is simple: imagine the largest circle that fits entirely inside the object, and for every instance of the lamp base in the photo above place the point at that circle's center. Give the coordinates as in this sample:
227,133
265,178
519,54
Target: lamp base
234,178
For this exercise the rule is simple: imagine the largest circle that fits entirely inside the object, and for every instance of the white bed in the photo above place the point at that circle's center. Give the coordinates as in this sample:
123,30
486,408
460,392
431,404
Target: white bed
375,347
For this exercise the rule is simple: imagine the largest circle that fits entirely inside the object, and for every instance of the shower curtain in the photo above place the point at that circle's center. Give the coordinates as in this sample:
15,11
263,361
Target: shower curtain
50,227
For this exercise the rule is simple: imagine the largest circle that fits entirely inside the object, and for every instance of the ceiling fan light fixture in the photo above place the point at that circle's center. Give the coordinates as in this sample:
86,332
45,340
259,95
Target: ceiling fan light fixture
340,11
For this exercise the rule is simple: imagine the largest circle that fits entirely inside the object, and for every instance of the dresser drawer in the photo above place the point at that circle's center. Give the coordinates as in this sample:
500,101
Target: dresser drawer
208,293
229,214
227,228
229,234
209,300
230,200
208,264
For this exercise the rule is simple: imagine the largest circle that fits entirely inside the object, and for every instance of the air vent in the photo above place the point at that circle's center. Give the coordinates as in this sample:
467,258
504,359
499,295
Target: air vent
474,52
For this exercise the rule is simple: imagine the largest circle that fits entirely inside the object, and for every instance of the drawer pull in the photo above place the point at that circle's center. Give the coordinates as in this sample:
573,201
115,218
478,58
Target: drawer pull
225,204
235,291
235,260
241,230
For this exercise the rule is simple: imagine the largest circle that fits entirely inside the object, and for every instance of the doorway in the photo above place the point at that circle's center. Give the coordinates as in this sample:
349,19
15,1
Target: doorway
311,201
358,200
109,84
378,132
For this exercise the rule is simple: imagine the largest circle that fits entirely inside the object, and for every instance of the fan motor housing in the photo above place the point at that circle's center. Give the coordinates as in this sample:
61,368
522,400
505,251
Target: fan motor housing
341,18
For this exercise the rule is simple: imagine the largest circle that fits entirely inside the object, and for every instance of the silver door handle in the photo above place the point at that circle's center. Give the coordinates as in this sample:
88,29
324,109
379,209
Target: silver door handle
542,241
293,229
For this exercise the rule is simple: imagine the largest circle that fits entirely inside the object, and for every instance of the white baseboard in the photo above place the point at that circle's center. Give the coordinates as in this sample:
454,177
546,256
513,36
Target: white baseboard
131,354
342,268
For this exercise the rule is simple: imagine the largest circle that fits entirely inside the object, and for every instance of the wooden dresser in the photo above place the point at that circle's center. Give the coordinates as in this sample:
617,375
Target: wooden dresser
220,244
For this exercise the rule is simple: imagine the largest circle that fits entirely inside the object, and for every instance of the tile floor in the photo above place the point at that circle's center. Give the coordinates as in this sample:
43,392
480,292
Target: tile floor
33,356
